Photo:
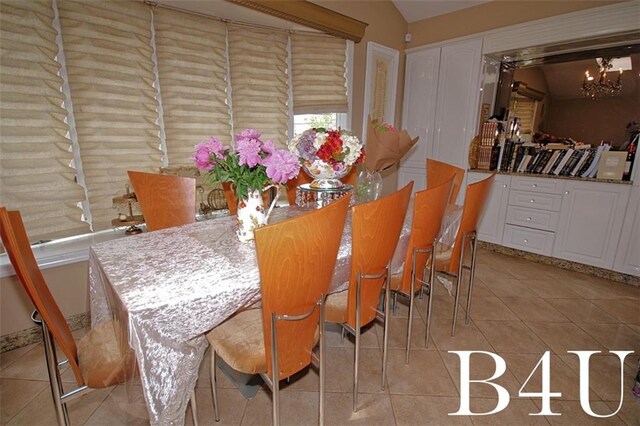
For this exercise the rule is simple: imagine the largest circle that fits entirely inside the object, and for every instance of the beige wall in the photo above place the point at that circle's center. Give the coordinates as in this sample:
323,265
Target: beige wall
68,285
489,16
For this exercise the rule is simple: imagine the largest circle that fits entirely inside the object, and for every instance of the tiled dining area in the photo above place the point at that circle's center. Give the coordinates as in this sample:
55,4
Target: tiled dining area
520,310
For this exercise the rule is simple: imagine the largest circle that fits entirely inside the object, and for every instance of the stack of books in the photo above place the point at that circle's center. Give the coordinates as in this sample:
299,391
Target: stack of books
560,161
487,139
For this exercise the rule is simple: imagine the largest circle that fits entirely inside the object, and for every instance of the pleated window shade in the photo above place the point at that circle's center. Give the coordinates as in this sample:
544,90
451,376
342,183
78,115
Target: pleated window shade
258,68
193,81
524,108
318,64
35,152
108,56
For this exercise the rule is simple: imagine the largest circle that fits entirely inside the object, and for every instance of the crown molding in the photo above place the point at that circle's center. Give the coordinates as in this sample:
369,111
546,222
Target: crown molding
311,15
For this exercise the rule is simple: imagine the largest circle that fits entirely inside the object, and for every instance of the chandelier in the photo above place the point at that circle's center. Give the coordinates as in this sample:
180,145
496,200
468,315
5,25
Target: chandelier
603,86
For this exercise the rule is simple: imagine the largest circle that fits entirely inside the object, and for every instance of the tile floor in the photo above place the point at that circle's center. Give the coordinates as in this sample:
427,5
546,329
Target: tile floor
520,310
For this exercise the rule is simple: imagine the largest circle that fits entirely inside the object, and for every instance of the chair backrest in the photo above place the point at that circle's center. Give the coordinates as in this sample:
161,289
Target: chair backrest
165,200
428,210
230,196
376,228
439,173
16,242
474,202
296,259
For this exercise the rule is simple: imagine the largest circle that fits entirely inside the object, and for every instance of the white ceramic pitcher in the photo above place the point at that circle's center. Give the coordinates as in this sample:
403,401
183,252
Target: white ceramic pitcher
251,212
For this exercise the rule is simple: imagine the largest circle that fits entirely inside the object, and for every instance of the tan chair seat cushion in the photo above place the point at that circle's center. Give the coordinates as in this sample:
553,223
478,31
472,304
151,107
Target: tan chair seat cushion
103,360
335,308
240,342
443,257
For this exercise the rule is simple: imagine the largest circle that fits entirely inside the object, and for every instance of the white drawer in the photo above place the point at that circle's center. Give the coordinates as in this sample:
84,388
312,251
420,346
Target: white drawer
538,219
548,185
532,240
535,200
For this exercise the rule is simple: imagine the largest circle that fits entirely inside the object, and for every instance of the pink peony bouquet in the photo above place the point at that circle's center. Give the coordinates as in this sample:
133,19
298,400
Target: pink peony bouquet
250,164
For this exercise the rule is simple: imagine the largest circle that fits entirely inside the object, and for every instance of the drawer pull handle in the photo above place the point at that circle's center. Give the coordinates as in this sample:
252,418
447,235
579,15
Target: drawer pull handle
535,185
526,241
528,219
566,192
532,201
504,185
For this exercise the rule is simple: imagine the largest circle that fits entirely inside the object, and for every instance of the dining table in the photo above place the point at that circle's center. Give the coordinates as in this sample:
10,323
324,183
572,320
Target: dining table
169,287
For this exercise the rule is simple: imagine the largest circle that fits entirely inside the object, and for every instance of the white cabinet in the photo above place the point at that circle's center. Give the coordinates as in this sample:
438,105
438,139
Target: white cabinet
492,221
590,222
627,258
441,99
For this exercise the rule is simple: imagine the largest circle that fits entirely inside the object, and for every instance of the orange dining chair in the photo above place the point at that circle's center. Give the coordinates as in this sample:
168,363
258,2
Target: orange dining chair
376,228
451,260
100,359
439,173
428,210
165,200
296,259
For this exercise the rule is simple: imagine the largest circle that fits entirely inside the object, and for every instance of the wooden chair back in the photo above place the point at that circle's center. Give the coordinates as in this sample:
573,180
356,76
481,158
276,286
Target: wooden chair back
296,259
165,200
439,173
376,228
474,201
16,243
428,210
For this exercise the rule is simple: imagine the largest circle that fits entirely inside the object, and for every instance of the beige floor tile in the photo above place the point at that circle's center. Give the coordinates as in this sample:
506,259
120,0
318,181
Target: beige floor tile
613,336
231,408
31,366
296,408
598,288
604,376
425,374
373,409
368,337
8,358
625,310
629,412
581,310
511,336
339,377
468,337
554,289
481,367
480,289
516,413
40,410
426,410
562,337
533,309
562,378
124,406
16,394
491,308
398,334
512,287
573,414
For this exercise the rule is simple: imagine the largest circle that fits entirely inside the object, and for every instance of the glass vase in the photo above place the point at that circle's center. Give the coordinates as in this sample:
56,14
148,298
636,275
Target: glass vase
369,186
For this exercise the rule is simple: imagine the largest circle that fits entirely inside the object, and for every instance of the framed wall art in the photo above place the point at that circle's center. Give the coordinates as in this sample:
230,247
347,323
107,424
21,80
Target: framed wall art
381,79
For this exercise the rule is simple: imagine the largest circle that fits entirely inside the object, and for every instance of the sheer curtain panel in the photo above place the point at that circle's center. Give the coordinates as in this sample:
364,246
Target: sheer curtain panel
318,65
192,66
259,80
108,57
35,152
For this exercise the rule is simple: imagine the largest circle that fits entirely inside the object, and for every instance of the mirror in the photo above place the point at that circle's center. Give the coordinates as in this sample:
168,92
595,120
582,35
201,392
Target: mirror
546,95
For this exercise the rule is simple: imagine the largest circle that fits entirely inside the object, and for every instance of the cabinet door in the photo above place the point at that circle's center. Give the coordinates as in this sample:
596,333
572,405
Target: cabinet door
491,224
628,254
419,108
417,175
591,219
458,101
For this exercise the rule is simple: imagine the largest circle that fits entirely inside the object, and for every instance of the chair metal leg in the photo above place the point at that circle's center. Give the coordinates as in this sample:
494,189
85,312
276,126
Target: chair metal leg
214,393
321,355
458,283
342,335
472,274
356,360
385,339
194,407
432,286
54,377
411,300
395,302
275,379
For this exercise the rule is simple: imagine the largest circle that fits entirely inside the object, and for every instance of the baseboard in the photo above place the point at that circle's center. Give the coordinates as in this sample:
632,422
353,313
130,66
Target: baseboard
34,334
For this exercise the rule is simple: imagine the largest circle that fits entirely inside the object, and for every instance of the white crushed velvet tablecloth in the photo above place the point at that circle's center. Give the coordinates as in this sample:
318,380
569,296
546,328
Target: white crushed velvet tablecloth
172,286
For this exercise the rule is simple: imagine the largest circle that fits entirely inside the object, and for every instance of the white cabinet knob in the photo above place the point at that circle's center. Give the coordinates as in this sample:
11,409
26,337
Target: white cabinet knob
526,241
504,185
532,201
528,219
535,185
566,192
